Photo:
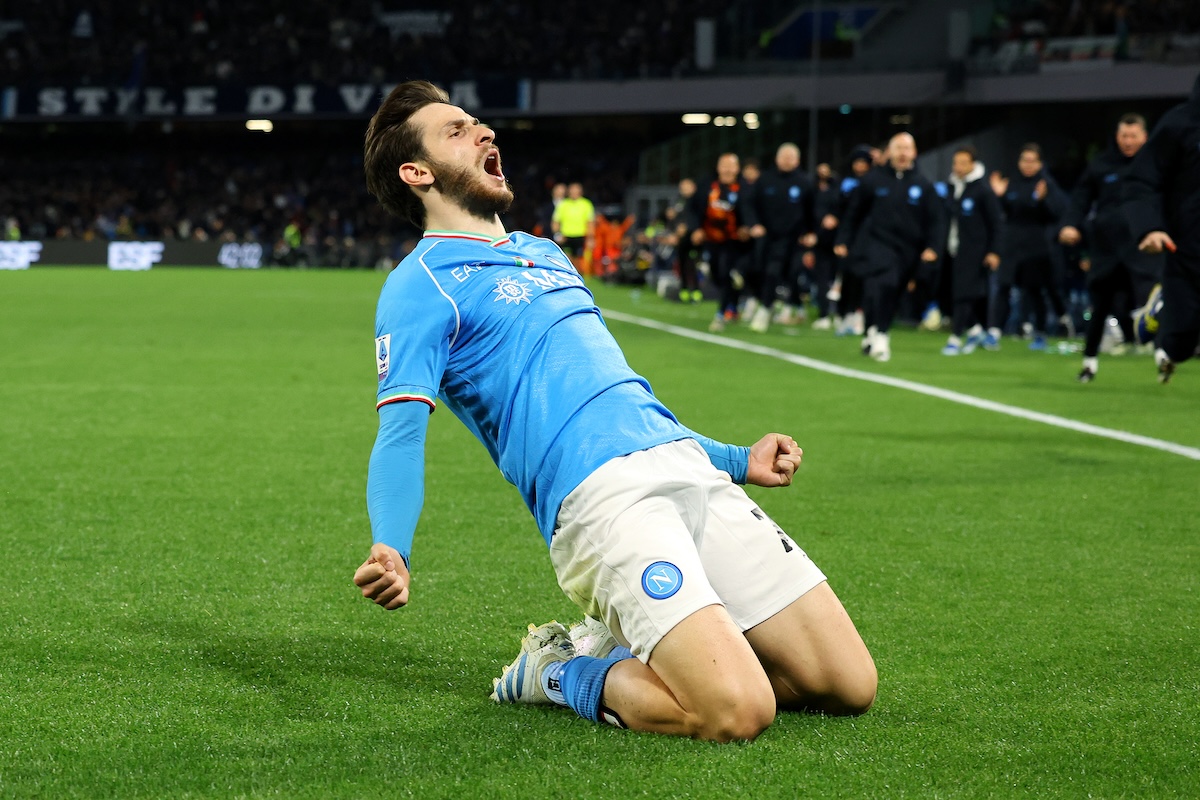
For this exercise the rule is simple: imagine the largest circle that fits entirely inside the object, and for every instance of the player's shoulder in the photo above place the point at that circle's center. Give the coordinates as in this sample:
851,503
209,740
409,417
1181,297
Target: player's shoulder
532,247
420,272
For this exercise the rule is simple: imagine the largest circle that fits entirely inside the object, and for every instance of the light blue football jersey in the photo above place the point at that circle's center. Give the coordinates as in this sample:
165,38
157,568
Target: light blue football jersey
506,335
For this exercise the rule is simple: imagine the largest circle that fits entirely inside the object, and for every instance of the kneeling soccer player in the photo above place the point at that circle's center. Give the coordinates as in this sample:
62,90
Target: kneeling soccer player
705,617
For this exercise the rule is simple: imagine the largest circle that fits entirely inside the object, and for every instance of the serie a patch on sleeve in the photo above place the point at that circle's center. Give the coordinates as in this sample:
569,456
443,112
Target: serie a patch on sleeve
383,355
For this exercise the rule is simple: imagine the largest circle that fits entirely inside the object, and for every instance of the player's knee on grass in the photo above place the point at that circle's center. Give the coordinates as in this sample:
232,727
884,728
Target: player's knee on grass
735,714
846,687
854,690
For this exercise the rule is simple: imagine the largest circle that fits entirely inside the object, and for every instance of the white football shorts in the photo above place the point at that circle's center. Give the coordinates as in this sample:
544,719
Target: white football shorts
652,537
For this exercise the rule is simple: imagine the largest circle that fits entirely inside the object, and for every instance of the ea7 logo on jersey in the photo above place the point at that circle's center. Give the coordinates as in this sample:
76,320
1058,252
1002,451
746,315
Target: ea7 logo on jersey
135,256
383,354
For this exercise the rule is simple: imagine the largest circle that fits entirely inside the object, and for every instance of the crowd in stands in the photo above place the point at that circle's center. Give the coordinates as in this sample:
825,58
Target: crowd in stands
1068,18
110,43
307,205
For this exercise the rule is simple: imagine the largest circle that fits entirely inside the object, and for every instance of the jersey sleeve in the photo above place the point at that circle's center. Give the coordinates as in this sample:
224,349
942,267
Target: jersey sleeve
396,475
731,458
416,325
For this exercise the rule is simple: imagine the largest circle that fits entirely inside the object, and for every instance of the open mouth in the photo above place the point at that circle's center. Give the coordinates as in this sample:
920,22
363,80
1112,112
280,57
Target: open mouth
491,165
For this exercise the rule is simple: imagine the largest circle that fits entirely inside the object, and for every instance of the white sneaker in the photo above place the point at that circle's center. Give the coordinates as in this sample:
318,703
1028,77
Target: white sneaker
868,341
859,323
592,638
521,681
717,325
790,315
881,347
1166,367
750,308
761,320
822,324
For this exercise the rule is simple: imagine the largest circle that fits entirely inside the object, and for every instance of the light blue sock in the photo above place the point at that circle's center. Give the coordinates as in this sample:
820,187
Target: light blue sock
552,682
582,681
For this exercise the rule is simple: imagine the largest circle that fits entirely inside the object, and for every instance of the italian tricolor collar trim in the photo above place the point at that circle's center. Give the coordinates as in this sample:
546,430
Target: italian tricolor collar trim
473,237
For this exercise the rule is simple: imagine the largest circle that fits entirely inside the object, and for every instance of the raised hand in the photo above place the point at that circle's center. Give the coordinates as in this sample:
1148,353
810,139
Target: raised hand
773,460
384,578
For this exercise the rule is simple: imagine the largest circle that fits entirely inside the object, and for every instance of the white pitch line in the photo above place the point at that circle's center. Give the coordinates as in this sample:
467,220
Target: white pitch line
920,388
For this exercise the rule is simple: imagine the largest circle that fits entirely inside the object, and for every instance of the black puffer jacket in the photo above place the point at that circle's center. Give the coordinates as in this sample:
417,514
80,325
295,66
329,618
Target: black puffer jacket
1162,192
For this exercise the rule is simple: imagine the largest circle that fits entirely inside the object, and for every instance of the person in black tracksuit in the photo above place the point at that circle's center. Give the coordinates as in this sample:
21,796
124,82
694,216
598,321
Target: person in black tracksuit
849,302
779,214
895,219
718,230
1162,203
972,249
686,253
1120,277
826,206
1033,204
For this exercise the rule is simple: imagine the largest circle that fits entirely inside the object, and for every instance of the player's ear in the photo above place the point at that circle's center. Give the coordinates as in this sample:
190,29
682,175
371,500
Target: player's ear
414,173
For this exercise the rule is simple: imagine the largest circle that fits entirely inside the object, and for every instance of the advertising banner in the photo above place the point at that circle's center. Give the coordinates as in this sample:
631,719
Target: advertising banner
247,102
130,256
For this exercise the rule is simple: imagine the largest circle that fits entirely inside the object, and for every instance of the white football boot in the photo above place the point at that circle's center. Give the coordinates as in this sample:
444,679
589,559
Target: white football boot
592,638
521,681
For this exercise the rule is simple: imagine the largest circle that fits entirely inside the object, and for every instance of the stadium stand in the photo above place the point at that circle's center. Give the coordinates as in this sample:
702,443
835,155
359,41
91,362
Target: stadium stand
129,44
131,173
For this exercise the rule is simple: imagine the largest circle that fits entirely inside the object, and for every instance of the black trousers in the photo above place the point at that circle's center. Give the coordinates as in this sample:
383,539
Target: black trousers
881,296
967,312
1179,324
1036,279
687,268
852,291
999,307
723,259
823,273
1111,294
779,254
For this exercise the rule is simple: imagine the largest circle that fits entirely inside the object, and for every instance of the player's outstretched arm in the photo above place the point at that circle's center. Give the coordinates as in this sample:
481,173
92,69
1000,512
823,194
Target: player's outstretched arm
773,460
383,577
395,494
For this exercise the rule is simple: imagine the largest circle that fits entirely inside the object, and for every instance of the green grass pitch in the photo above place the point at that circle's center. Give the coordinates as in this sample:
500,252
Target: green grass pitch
182,466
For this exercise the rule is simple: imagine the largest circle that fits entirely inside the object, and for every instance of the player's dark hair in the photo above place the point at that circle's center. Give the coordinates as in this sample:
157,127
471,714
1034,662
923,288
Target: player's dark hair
1132,119
1031,147
969,150
391,141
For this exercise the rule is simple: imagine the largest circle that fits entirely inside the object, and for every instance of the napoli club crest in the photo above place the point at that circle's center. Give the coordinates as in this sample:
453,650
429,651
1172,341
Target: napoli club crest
661,580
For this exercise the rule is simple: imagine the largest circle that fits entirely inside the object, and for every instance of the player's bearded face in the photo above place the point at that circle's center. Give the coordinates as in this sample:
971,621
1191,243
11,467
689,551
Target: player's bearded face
469,188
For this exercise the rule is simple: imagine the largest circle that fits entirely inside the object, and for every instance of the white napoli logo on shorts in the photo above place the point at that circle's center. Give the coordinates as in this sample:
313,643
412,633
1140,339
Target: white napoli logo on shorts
383,354
511,291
